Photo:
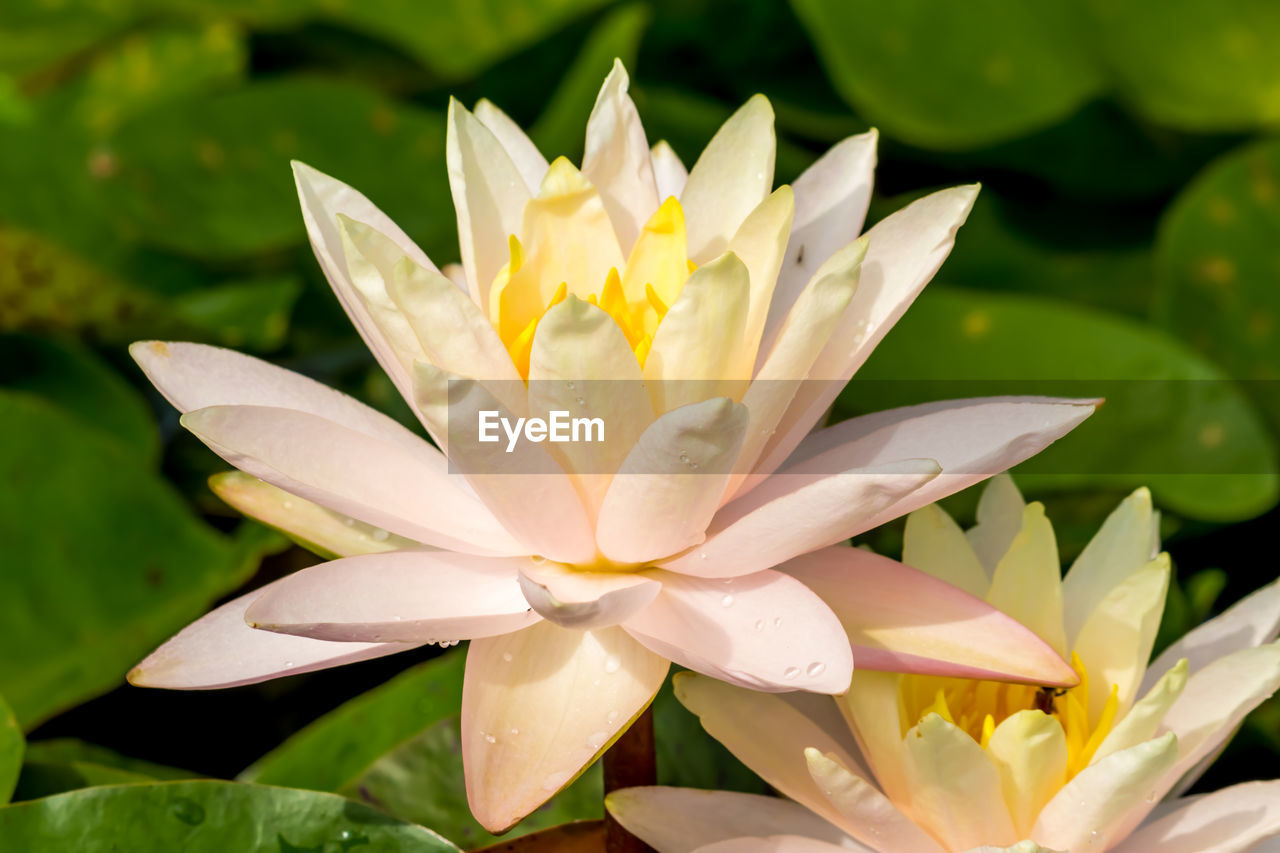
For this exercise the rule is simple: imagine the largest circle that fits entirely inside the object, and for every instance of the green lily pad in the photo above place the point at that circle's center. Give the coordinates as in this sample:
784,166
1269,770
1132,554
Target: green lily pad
208,817
955,75
12,746
103,560
1193,65
71,750
241,314
210,177
1172,420
1217,268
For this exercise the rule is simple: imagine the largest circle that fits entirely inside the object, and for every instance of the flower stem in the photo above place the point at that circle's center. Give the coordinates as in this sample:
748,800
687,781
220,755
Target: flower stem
631,761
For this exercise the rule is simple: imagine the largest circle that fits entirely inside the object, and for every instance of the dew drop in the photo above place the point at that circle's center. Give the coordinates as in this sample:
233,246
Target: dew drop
581,401
506,657
791,672
288,664
515,731
612,663
613,716
815,669
727,601
380,535
571,386
288,504
759,624
777,623
491,738
188,811
597,739
702,555
350,522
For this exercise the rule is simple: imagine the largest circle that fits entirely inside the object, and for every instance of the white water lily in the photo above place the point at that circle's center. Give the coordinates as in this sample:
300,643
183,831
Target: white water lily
925,764
709,321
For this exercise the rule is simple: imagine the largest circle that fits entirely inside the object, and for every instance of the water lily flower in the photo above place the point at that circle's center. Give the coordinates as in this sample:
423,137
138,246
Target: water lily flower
709,320
924,764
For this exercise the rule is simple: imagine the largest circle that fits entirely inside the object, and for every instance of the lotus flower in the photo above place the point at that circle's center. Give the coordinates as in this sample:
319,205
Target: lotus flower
950,764
710,322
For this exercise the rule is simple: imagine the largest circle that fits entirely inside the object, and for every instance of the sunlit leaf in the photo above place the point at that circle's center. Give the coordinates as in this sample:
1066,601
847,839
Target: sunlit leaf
955,75
1172,420
208,817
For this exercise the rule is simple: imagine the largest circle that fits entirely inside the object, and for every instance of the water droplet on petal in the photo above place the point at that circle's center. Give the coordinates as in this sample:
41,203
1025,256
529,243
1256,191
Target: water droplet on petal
702,555
515,731
777,623
554,781
288,504
491,738
380,535
613,716
506,657
791,672
727,601
612,663
597,739
581,401
759,624
288,664
572,386
815,669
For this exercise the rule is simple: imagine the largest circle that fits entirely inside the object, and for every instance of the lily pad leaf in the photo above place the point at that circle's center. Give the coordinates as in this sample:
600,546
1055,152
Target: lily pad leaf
12,745
208,817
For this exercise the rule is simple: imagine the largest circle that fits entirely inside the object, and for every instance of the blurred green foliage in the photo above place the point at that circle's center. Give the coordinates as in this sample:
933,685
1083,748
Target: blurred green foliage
1126,232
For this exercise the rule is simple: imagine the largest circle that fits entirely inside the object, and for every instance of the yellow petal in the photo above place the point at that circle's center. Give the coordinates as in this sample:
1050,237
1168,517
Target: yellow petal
1027,583
1029,751
761,243
934,543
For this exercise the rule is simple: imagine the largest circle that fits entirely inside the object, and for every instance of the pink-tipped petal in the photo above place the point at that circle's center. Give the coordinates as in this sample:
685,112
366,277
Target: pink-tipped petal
792,515
680,820
668,487
377,482
197,376
901,619
831,202
402,596
765,631
906,249
970,439
1227,821
617,160
220,650
576,599
539,705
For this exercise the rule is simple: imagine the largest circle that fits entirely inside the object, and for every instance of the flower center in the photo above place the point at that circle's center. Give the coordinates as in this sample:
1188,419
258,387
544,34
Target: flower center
568,246
978,707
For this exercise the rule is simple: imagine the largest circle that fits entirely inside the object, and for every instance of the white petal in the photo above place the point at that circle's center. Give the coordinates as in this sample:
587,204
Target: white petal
680,820
1143,720
970,439
219,650
955,789
403,596
380,483
668,171
1127,541
1250,622
1092,808
732,176
315,528
868,815
1227,821
196,376
766,631
539,705
617,160
774,844
769,732
906,249
525,488
669,486
578,599
831,203
793,515
519,147
489,194
323,198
